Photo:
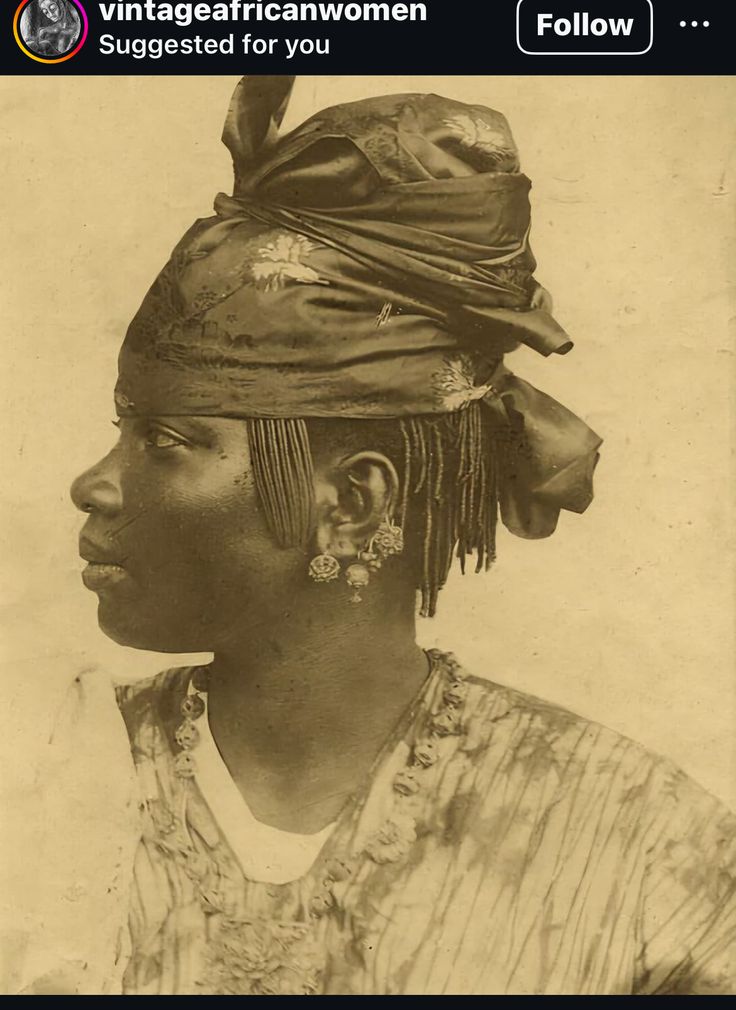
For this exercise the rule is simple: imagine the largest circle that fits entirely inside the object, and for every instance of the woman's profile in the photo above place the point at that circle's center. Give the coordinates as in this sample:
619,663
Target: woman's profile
50,27
317,419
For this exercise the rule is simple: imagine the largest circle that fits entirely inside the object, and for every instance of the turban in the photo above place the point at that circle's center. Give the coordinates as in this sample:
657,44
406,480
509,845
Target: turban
373,262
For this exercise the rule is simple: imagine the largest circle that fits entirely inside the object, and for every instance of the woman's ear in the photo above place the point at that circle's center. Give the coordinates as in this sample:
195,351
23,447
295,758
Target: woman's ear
353,497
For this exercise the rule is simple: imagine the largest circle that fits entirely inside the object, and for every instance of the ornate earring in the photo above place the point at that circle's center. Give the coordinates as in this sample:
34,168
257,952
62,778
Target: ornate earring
324,568
388,539
386,542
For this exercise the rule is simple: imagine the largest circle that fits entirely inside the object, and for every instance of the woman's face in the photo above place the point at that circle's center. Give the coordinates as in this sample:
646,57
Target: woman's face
177,549
51,9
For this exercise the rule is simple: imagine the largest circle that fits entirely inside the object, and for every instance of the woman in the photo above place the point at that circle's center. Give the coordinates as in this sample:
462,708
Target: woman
52,27
315,420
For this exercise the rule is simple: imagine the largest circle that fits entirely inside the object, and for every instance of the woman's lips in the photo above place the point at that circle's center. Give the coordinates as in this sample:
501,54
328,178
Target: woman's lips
102,575
102,571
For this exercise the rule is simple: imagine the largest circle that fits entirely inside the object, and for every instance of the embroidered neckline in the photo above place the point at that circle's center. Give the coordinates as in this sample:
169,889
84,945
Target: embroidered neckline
262,955
423,753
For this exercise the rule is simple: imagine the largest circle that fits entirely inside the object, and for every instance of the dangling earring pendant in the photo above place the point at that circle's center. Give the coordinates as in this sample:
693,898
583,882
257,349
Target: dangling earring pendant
324,568
370,559
357,577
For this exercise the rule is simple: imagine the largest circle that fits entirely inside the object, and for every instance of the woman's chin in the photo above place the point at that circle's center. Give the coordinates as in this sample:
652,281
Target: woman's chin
150,636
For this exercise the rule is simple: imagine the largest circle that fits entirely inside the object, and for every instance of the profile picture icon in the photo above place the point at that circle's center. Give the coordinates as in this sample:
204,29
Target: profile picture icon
50,31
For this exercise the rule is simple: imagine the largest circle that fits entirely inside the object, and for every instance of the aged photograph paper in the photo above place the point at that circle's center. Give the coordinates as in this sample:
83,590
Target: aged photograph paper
385,644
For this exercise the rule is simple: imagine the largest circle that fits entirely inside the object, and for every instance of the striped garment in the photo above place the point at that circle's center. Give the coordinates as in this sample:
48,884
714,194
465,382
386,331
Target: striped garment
501,845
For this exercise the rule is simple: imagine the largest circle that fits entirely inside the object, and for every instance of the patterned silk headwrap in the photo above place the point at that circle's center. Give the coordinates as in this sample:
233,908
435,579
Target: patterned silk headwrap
374,262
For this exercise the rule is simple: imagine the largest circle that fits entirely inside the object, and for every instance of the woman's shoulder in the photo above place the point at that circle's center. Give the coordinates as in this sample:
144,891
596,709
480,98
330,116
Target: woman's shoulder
533,737
595,821
555,764
495,708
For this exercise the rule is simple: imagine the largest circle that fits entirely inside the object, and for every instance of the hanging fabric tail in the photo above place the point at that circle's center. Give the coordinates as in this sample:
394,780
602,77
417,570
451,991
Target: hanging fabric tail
253,118
547,456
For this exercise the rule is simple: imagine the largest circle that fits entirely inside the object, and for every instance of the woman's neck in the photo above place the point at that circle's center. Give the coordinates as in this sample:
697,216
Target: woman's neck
301,706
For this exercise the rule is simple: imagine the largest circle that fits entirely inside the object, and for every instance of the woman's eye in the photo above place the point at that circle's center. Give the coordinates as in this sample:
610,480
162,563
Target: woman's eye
163,440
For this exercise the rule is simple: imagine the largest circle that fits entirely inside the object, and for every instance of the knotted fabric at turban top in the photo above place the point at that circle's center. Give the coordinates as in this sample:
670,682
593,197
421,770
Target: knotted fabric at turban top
374,262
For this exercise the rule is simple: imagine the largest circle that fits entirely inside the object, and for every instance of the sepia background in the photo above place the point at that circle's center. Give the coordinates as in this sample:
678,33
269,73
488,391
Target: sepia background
626,614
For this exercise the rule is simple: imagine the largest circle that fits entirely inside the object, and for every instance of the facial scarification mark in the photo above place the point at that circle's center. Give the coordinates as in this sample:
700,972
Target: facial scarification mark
116,532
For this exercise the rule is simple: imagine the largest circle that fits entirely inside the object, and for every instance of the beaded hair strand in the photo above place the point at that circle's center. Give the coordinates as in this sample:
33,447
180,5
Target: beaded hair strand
448,496
453,459
284,477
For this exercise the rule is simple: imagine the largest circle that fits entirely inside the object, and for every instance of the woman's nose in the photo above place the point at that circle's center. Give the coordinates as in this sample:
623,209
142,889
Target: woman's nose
98,489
